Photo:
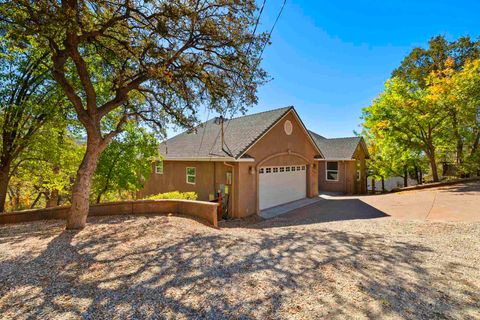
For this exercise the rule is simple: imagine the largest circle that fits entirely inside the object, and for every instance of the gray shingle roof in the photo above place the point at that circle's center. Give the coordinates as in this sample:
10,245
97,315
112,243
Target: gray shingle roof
336,148
240,134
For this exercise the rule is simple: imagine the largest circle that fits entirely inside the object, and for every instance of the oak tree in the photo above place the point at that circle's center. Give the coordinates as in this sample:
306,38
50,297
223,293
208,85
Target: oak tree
152,61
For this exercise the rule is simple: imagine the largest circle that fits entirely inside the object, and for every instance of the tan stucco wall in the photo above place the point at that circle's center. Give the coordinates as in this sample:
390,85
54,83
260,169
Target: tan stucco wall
276,148
347,171
201,209
208,177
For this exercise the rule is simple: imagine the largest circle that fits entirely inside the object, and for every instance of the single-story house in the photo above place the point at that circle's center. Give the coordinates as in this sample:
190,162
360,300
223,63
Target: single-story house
343,169
256,162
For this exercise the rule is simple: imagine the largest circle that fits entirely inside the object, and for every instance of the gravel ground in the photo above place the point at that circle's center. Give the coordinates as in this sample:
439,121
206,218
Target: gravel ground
165,267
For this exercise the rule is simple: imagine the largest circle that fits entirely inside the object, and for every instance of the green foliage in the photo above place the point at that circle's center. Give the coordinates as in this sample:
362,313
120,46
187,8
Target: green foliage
123,164
429,109
29,100
174,195
46,170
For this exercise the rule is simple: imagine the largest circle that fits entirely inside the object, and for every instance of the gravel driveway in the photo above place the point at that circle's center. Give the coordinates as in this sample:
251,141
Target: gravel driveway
165,267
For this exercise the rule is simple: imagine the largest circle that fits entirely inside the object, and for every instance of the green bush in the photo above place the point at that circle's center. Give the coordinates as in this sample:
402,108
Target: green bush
176,195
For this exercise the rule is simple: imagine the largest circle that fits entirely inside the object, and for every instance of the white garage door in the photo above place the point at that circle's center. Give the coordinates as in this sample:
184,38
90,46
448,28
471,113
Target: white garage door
280,185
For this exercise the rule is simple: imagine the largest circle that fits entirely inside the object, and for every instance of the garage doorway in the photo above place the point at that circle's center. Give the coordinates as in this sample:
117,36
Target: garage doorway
282,184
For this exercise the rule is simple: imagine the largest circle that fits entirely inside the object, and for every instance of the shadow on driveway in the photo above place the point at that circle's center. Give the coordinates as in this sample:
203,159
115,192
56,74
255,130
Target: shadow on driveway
325,210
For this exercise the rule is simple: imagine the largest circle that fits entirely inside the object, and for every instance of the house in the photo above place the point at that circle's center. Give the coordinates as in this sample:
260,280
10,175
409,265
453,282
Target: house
343,167
255,161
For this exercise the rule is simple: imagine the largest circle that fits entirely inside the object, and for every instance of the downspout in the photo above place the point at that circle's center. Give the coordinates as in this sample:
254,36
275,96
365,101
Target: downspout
345,176
233,182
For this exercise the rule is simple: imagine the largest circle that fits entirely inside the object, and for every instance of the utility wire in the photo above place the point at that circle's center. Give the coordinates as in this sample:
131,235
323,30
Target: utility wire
257,22
264,45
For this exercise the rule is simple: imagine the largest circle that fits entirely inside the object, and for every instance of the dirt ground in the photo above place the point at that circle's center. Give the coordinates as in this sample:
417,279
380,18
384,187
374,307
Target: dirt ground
166,267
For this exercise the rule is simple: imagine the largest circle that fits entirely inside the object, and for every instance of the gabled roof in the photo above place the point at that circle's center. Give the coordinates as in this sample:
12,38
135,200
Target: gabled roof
239,135
339,148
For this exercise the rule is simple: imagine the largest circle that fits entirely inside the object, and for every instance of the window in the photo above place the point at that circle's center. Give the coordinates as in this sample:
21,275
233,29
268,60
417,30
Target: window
359,177
191,175
275,170
261,171
332,171
287,169
159,167
293,168
268,170
282,169
299,168
303,168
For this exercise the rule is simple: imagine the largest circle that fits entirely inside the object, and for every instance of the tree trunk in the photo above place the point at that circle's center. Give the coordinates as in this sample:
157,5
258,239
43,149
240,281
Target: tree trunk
373,186
430,151
52,200
4,179
417,175
383,184
433,166
77,216
34,203
405,177
458,138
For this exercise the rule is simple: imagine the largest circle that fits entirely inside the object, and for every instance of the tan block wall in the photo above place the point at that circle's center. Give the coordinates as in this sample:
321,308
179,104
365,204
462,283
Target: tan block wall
201,209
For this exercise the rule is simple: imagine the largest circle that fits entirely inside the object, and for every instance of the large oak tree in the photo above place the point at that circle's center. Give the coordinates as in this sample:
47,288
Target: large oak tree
151,61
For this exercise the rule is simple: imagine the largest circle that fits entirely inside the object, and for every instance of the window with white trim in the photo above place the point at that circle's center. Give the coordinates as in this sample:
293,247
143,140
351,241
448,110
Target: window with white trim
332,171
275,170
191,173
262,170
159,167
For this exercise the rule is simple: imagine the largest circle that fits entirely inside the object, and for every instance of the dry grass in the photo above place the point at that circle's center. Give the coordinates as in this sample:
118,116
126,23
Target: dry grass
162,267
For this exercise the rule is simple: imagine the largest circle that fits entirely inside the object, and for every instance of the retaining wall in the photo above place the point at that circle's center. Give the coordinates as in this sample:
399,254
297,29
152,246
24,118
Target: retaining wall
200,209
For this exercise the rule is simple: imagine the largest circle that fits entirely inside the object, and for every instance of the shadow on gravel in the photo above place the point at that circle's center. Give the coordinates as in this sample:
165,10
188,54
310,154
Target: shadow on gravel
115,273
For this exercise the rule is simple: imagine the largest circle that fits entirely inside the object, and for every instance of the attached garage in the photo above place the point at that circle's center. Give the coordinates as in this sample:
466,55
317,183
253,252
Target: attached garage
281,184
255,162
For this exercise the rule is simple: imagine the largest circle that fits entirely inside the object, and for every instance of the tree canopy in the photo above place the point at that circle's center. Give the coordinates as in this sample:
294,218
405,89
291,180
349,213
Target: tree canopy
430,107
148,61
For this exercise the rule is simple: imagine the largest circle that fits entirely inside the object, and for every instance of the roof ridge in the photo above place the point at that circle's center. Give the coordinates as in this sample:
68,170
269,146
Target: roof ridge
258,113
351,137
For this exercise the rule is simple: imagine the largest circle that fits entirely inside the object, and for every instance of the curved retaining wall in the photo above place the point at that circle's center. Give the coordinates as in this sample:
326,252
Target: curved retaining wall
200,209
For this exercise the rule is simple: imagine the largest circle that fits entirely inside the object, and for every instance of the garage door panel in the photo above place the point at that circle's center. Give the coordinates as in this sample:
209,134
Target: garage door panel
279,185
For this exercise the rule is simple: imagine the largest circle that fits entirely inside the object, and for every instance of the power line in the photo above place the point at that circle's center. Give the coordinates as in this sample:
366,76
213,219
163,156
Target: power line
257,22
265,44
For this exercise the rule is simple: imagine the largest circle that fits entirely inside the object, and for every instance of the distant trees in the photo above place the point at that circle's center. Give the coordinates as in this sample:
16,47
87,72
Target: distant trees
29,98
124,164
430,107
146,61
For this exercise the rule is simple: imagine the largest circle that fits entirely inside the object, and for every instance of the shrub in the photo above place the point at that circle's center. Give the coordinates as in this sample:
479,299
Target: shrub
176,195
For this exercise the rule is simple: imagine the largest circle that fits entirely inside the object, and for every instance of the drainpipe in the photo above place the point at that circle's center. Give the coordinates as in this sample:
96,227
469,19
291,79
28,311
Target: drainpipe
345,176
232,194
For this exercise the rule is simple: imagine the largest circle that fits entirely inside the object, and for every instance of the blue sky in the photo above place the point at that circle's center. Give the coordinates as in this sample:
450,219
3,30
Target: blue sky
331,58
